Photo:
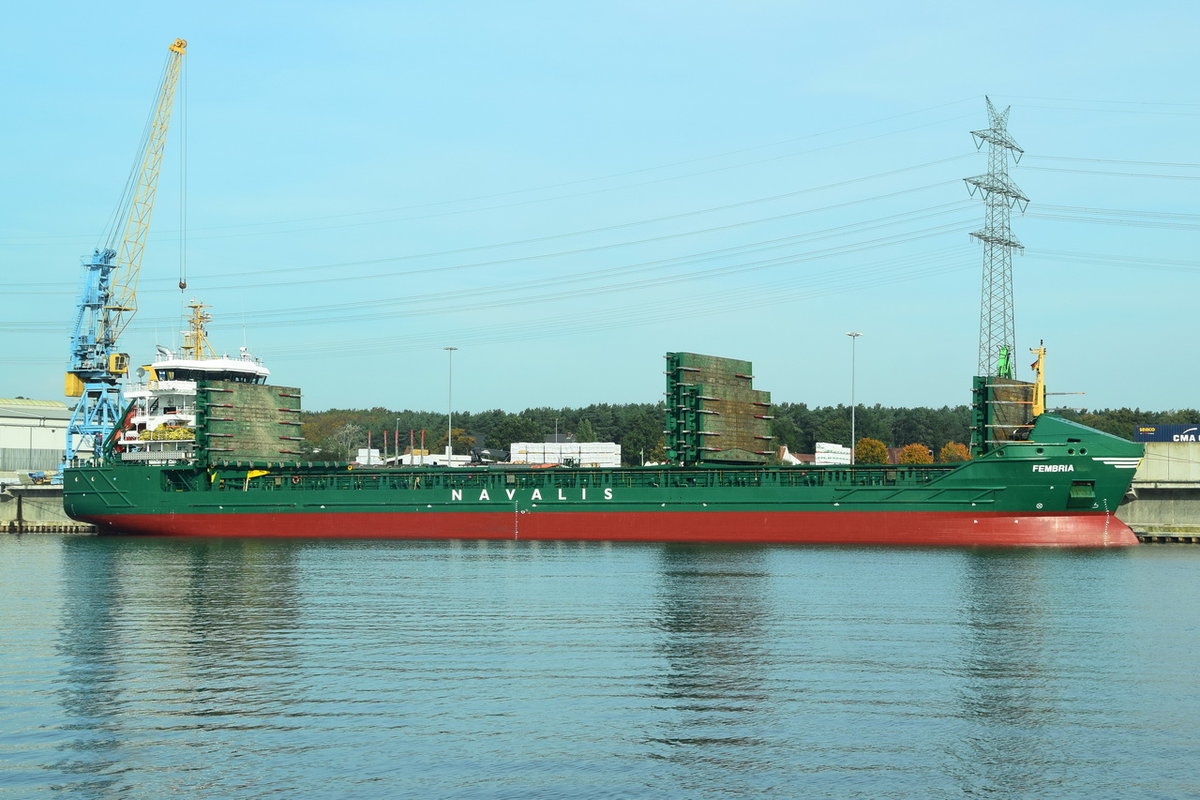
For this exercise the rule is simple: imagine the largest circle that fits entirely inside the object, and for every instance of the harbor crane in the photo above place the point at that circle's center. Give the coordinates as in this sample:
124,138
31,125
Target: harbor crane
108,299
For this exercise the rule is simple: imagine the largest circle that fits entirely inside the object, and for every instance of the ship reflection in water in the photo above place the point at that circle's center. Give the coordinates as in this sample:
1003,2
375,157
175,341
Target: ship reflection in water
712,698
144,668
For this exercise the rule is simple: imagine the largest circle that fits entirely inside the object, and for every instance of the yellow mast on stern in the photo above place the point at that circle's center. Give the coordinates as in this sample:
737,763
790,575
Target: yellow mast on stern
1039,380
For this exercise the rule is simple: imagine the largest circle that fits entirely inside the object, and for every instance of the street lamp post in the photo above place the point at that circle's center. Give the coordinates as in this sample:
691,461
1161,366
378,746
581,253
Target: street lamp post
449,404
853,432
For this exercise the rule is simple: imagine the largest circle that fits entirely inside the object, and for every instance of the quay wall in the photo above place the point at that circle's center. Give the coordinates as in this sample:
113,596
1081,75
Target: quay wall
1165,497
36,509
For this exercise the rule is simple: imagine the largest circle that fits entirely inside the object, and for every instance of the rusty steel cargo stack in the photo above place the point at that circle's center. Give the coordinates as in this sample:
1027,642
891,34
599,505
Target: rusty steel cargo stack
714,413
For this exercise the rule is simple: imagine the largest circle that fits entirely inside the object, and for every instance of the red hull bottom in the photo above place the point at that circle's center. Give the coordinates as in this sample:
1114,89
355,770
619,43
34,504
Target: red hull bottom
926,528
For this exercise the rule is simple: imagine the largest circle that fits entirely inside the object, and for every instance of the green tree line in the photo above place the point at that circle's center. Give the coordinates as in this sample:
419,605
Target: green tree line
638,427
801,427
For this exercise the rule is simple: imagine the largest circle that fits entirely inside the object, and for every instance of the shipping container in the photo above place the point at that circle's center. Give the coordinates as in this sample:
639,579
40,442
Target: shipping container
1167,433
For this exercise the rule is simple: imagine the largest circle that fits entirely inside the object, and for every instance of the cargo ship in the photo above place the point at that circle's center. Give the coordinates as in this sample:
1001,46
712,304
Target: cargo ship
238,469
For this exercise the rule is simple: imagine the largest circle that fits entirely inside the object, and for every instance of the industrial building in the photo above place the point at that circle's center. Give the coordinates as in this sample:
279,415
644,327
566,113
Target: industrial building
32,433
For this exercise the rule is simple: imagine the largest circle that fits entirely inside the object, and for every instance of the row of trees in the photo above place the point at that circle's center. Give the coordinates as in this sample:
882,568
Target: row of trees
638,427
801,427
873,451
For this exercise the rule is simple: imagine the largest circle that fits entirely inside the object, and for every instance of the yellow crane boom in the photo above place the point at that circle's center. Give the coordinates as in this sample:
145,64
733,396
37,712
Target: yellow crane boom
141,204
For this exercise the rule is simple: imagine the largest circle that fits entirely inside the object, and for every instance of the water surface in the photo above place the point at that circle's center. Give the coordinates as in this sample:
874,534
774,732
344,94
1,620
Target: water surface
151,667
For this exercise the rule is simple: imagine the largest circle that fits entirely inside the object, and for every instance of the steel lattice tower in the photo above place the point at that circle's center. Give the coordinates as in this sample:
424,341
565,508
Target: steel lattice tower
997,336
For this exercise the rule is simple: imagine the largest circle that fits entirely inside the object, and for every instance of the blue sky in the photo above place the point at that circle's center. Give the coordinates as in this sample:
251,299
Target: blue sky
566,191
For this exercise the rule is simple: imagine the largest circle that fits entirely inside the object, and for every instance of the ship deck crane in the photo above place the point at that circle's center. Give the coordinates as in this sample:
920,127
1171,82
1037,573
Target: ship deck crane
108,299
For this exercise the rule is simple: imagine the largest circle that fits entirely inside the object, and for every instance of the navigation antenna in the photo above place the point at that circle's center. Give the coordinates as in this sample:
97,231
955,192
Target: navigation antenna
997,337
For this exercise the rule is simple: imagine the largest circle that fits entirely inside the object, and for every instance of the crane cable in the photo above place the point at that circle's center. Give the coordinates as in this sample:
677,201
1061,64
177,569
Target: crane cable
183,178
183,302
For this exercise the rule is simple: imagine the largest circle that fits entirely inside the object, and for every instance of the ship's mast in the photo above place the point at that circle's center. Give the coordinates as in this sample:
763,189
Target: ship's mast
195,339
1039,380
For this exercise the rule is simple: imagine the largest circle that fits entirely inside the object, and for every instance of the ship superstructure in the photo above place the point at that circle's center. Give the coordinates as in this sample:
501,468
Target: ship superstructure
160,426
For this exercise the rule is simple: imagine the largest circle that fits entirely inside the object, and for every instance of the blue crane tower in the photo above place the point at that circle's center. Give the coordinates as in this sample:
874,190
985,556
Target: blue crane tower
108,299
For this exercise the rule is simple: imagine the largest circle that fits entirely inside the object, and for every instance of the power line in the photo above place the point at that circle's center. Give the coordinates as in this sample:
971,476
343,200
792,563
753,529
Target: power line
1178,215
1127,223
1131,262
404,307
1185,164
1113,102
507,193
291,270
665,263
311,314
654,312
570,323
1113,173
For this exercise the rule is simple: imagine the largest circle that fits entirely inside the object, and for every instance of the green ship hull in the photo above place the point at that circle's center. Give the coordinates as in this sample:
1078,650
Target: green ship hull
1059,488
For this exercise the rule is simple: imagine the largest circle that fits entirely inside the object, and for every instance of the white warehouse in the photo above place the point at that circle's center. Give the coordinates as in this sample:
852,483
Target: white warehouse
32,434
581,454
